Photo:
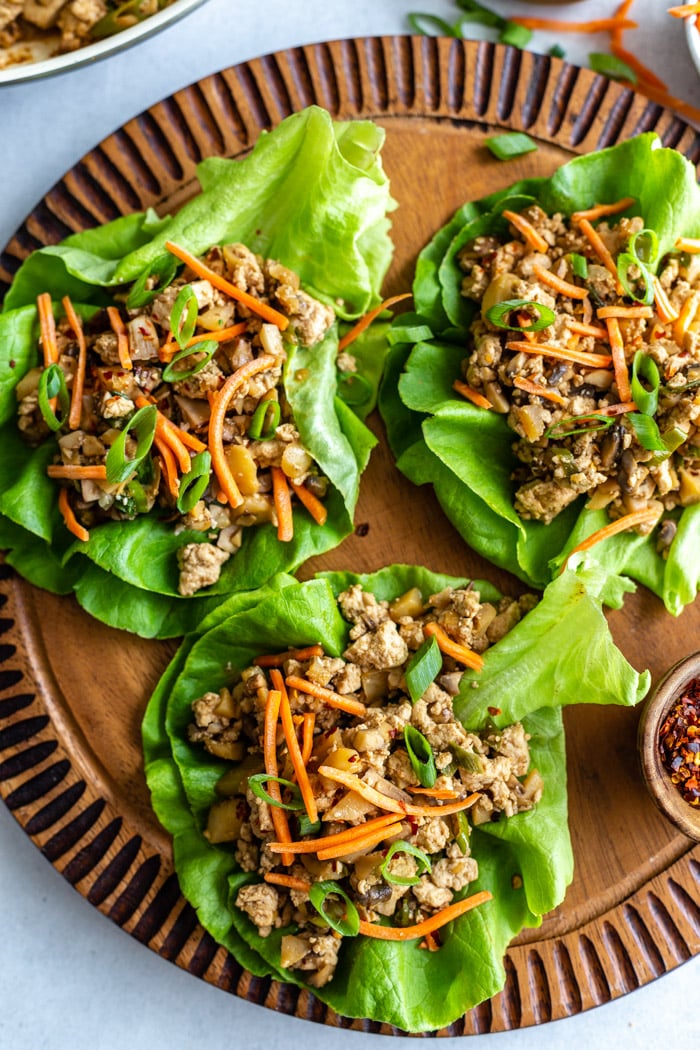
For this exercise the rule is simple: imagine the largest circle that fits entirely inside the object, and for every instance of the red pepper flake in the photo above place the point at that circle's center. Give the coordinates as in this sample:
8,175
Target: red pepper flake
679,743
493,711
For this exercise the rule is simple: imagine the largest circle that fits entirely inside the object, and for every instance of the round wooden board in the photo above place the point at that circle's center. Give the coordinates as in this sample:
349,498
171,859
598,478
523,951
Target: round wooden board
72,692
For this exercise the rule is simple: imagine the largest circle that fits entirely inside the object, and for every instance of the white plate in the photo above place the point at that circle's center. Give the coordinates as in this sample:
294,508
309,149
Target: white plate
35,59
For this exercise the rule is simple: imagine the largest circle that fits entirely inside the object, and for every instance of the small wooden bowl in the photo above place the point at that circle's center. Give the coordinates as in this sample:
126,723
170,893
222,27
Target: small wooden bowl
665,793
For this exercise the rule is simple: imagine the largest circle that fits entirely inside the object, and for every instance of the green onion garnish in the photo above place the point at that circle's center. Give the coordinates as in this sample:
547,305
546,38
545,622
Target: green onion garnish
346,924
143,424
421,756
579,265
429,25
624,262
557,51
463,833
510,144
499,314
193,484
163,270
515,35
645,398
424,665
609,66
171,374
672,439
183,316
648,252
52,383
476,12
418,333
265,421
257,782
559,431
647,432
353,389
306,826
424,864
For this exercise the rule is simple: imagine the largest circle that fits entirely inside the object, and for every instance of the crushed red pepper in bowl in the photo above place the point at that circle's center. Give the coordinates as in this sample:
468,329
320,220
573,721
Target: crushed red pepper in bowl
679,743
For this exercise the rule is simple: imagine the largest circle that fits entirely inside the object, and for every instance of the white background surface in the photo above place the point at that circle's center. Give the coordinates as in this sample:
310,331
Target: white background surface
69,979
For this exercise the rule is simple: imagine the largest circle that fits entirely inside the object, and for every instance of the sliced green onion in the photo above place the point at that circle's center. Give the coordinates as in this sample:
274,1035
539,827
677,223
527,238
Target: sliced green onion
306,826
52,383
183,316
424,864
171,374
123,17
463,832
421,756
624,262
515,35
646,255
557,51
424,666
135,492
143,424
498,313
429,25
353,389
468,760
265,421
476,12
556,433
647,432
609,66
668,389
257,782
645,367
579,265
418,333
193,484
672,439
346,924
510,144
163,270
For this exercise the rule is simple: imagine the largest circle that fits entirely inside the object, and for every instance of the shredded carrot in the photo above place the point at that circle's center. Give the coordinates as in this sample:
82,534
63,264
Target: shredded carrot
565,353
78,472
179,440
393,805
47,326
361,842
221,335
76,399
600,210
618,359
624,9
119,329
440,793
691,245
307,735
601,250
366,321
293,747
314,506
427,926
278,816
587,329
663,98
184,436
290,882
430,942
558,284
336,700
630,59
283,505
69,518
685,318
627,521
445,810
277,659
624,312
537,390
312,845
167,351
618,409
169,462
471,394
684,10
202,270
665,310
526,230
451,648
598,25
219,405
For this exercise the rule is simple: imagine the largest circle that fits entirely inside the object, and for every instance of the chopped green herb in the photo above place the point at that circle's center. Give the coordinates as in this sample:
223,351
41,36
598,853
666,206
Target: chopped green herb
557,51
510,144
347,921
194,483
421,756
143,424
423,668
183,316
265,421
647,432
646,398
161,271
257,782
171,374
52,383
515,35
424,864
609,66
500,312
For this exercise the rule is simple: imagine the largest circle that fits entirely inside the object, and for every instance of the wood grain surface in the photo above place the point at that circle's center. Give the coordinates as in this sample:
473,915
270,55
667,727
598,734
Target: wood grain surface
72,692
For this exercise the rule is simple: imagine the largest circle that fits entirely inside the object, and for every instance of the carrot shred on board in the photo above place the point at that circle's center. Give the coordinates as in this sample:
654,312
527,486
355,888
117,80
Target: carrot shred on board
565,353
627,521
600,210
314,506
624,312
76,397
278,816
69,518
338,837
219,405
597,25
572,291
78,472
337,700
282,500
691,245
366,321
522,383
526,230
663,98
586,329
47,327
268,313
451,648
664,308
685,318
636,65
601,250
684,10
307,735
427,926
290,882
293,747
277,659
471,394
361,842
169,462
119,329
618,359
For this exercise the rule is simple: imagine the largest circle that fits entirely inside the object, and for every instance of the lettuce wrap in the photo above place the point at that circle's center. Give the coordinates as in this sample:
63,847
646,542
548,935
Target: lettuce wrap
312,195
466,452
557,653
